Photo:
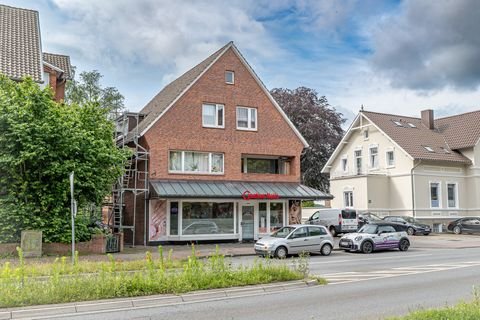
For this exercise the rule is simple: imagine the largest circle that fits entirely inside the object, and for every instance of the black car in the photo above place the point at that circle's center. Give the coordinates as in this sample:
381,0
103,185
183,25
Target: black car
413,226
465,225
367,217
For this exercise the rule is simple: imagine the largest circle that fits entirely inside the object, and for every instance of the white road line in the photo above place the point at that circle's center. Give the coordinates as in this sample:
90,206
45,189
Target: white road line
369,259
347,277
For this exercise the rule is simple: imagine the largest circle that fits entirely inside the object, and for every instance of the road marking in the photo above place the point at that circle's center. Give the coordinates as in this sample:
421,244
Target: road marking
353,276
369,259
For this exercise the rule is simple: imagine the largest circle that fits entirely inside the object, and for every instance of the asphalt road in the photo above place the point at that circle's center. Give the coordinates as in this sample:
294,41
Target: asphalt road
360,287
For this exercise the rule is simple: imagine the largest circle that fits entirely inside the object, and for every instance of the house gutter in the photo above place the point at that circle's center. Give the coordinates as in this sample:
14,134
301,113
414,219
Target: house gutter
412,179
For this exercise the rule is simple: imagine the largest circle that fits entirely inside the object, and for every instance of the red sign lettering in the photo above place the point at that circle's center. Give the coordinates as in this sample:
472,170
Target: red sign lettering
247,195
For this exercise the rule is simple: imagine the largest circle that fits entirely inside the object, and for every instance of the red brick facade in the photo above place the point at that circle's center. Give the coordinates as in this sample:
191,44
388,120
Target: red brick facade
181,127
57,85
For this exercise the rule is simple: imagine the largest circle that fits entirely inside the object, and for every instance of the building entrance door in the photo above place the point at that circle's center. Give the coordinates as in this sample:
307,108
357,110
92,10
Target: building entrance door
247,223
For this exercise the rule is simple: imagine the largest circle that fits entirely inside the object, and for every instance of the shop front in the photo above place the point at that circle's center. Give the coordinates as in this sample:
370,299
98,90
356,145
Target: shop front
195,211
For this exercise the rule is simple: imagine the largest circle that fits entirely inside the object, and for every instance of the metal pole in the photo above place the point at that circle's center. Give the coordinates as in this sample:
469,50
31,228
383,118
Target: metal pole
72,209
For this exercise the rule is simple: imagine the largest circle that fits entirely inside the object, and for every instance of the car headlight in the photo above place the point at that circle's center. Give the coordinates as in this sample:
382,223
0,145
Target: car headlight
358,238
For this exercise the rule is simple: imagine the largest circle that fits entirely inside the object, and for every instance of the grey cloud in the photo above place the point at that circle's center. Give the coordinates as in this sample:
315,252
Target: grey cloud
430,45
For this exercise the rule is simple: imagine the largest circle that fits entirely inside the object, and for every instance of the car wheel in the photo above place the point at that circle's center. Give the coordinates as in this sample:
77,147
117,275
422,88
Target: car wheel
326,250
457,230
333,231
367,247
281,252
404,245
410,231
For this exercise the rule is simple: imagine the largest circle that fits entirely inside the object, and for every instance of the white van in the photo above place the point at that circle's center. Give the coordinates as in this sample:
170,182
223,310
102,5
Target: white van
336,220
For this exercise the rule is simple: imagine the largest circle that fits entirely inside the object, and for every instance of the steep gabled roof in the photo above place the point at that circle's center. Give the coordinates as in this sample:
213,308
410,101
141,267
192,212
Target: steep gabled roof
460,131
414,139
20,43
166,98
61,62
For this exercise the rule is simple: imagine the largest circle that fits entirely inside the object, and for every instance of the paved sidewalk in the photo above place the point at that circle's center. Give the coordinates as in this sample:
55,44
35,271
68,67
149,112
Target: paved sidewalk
182,251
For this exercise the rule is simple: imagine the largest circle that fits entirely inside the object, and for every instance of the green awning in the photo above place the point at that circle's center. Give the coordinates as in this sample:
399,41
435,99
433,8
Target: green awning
233,190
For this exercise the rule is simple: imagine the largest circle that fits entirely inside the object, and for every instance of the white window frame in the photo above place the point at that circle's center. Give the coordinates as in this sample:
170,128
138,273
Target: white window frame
456,194
348,202
344,164
439,193
233,76
370,164
217,107
366,134
355,157
249,119
387,164
210,155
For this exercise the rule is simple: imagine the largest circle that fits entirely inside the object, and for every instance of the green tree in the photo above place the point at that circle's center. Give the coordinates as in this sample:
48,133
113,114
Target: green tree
88,89
319,123
41,142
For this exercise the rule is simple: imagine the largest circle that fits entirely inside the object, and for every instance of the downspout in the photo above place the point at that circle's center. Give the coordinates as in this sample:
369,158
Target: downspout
412,179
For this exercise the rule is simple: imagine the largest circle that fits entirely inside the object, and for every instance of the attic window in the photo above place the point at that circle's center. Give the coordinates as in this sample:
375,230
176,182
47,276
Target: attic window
229,77
429,149
445,150
397,123
411,125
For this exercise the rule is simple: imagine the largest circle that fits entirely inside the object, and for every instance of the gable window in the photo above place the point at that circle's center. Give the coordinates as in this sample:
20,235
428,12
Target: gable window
374,157
344,164
246,118
358,161
452,195
229,77
195,162
434,195
390,158
365,134
213,116
348,198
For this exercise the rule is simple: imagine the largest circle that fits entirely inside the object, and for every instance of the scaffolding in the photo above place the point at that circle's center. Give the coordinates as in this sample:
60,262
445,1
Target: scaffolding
134,181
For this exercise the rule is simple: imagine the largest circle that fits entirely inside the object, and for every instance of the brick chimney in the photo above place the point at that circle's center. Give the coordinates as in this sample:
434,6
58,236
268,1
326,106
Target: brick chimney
427,119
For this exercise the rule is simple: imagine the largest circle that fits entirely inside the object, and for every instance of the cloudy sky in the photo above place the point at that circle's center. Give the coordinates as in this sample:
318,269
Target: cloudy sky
390,56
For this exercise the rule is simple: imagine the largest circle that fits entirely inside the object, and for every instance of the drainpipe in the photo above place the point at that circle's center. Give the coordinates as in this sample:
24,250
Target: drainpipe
412,179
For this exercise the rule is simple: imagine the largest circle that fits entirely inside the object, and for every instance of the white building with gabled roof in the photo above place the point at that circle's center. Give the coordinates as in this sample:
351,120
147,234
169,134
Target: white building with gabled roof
398,165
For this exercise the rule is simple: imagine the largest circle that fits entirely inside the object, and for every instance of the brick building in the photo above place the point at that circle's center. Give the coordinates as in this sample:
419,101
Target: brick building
21,51
215,157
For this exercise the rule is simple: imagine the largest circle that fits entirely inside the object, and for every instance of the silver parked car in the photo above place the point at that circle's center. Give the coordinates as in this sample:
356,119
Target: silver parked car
294,239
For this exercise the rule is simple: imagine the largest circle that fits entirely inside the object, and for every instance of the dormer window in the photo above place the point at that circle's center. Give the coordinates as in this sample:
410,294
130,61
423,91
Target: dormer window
429,149
213,116
229,77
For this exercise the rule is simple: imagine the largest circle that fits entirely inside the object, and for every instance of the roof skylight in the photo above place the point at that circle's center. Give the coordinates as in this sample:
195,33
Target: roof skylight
429,149
411,125
397,123
445,150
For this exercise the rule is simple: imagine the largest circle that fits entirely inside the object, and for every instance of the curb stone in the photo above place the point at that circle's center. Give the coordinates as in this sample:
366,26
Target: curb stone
152,301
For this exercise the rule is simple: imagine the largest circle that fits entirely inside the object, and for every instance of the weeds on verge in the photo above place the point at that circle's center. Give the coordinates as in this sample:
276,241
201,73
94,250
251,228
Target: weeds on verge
66,283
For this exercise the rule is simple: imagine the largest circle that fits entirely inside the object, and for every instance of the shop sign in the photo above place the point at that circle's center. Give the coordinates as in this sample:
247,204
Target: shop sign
247,195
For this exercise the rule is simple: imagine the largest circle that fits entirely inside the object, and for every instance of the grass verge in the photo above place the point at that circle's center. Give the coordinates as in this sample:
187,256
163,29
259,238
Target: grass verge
461,311
69,284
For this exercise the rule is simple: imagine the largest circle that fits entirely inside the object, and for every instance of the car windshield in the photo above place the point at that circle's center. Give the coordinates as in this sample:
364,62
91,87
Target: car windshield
410,219
368,228
282,232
